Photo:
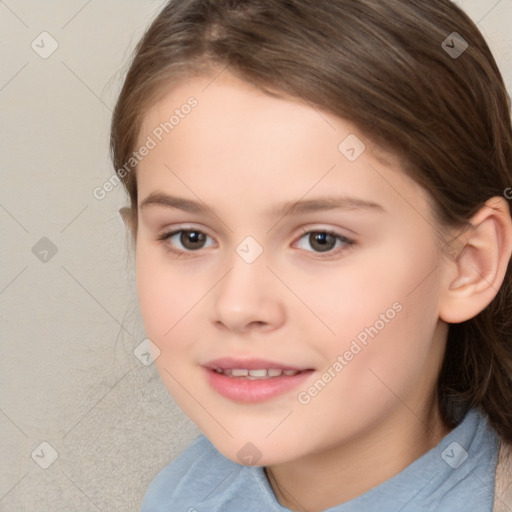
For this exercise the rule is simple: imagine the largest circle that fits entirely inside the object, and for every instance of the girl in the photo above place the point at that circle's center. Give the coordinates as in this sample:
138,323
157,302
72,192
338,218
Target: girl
320,210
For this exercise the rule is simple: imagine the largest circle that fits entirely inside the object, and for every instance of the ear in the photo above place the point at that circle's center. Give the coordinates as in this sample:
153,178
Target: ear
128,219
478,269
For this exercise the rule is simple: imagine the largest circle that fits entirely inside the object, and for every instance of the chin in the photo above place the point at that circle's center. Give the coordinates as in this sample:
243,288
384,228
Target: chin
242,450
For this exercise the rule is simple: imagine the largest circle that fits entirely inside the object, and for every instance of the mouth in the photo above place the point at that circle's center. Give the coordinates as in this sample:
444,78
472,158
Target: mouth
253,380
258,374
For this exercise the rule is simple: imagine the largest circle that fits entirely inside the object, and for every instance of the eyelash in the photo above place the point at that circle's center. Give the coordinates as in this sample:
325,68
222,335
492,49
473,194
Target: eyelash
347,242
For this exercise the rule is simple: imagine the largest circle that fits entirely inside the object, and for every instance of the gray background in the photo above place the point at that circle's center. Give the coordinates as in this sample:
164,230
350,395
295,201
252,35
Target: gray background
69,319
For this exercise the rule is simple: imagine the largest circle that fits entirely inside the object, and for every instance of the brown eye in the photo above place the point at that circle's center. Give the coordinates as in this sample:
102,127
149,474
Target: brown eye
324,241
192,240
185,240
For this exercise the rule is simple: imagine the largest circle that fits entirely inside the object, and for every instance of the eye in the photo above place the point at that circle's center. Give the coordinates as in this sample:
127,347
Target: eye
182,241
190,240
325,241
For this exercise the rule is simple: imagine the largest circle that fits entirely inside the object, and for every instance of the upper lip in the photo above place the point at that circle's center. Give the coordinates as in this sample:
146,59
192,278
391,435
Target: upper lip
226,363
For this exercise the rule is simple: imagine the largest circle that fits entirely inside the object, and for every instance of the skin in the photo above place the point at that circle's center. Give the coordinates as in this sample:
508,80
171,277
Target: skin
243,152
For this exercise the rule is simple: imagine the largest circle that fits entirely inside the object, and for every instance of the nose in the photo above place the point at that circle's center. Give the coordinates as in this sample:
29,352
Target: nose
248,298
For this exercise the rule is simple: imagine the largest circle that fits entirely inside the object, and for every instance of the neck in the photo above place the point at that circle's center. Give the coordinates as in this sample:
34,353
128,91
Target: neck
339,474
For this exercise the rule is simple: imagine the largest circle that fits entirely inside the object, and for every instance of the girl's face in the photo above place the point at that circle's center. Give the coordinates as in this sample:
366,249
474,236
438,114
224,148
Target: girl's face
266,231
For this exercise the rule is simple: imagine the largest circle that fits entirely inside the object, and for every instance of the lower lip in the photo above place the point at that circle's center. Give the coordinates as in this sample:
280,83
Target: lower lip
250,391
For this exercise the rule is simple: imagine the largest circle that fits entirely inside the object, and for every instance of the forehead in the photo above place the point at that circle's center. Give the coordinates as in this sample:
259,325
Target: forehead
225,104
239,136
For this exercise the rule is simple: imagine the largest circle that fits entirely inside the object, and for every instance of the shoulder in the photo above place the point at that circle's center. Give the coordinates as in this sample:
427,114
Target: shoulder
503,489
190,476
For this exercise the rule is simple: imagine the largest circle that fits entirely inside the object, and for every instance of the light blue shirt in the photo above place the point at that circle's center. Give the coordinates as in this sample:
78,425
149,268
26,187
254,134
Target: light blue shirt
458,475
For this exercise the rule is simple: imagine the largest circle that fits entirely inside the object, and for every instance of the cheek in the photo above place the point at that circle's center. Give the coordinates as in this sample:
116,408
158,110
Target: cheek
387,361
164,297
384,313
369,291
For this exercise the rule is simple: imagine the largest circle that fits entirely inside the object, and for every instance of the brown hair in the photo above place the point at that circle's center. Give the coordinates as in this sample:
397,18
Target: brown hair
383,66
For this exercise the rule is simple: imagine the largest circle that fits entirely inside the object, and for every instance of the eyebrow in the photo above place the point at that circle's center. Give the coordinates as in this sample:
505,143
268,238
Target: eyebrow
287,208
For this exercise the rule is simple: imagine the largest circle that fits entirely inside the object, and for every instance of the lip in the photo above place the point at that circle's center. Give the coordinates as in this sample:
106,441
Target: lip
252,391
249,364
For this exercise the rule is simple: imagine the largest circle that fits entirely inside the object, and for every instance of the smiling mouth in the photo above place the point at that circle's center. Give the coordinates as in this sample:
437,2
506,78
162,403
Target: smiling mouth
254,385
257,374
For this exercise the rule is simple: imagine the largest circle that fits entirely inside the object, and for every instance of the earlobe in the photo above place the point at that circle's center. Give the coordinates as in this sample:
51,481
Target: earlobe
478,270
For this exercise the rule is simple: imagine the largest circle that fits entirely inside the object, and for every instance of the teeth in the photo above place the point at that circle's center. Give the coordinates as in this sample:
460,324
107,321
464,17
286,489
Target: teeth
258,373
239,373
262,373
